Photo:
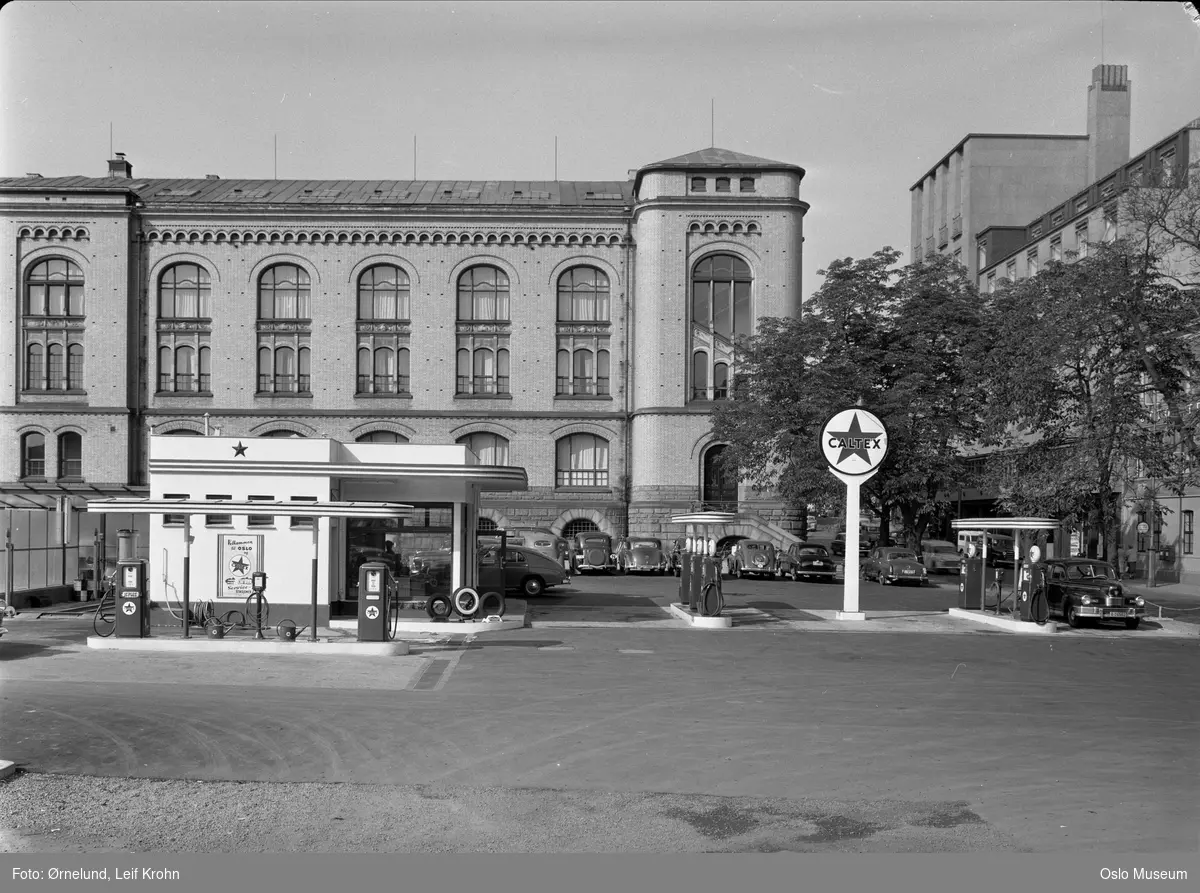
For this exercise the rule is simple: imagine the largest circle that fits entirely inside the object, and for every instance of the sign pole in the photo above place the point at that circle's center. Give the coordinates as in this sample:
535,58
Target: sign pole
854,443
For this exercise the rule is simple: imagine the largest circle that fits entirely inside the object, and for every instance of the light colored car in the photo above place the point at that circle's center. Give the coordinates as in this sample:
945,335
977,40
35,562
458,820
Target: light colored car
541,539
888,564
755,558
940,557
642,555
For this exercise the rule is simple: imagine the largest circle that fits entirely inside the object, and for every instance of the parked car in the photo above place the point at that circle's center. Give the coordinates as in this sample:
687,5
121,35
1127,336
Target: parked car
839,545
755,557
526,570
887,564
594,552
1083,590
809,561
542,539
642,555
940,557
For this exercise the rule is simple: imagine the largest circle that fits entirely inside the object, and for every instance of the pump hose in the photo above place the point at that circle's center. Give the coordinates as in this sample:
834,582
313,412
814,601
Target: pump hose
1039,608
253,619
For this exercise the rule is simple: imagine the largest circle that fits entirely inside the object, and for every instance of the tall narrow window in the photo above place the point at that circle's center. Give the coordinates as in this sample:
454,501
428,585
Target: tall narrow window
35,369
1031,262
1056,248
56,368
721,381
33,455
1081,240
584,371
719,490
581,460
699,375
1188,518
70,455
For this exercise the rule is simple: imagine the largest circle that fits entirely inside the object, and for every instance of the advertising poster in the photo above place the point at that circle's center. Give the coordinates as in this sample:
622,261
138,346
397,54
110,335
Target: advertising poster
240,557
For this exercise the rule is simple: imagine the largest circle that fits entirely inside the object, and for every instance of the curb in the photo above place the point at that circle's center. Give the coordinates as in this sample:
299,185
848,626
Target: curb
699,622
1013,626
249,646
7,768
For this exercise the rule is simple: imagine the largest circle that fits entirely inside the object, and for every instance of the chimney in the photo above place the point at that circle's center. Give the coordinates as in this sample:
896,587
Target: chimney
212,176
1108,120
119,168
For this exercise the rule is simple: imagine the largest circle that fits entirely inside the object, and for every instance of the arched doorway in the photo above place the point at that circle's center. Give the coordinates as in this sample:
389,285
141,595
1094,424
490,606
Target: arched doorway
718,491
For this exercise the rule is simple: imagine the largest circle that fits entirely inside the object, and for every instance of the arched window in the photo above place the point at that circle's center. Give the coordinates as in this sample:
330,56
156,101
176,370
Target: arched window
483,294
721,295
721,381
482,371
283,293
492,449
577,526
581,460
33,455
183,292
383,293
381,437
719,485
283,370
722,184
385,370
486,525
56,369
185,370
35,368
75,367
70,455
281,432
699,375
583,295
54,288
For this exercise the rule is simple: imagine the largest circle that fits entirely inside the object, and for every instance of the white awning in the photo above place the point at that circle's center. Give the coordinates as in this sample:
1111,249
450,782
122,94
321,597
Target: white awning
1005,524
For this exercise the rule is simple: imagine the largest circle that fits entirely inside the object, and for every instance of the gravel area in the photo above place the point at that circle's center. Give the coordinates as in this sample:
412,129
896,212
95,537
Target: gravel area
80,814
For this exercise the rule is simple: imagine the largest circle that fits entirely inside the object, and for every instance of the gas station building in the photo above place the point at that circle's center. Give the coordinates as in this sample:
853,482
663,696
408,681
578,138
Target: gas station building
436,491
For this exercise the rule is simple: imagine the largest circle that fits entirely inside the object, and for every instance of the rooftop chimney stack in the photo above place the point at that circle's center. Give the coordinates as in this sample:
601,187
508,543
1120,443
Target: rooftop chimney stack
119,168
1108,120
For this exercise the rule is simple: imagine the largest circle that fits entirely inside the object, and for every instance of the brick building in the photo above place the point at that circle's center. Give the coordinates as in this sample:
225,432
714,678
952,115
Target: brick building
581,330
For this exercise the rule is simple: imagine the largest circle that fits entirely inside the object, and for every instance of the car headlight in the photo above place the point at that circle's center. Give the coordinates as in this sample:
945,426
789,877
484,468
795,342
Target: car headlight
1139,601
1085,600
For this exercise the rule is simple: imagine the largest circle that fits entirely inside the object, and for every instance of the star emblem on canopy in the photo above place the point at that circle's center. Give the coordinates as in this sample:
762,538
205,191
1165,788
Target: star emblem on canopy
239,450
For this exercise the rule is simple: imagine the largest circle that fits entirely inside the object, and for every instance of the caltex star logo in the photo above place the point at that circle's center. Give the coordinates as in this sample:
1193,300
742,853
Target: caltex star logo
239,450
239,565
855,442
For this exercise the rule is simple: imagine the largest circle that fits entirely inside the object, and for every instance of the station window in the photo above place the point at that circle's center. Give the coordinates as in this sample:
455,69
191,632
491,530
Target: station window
175,520
218,520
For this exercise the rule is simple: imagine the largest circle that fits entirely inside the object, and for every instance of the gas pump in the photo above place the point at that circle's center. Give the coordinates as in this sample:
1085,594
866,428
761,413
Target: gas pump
374,590
1031,588
971,580
132,618
258,584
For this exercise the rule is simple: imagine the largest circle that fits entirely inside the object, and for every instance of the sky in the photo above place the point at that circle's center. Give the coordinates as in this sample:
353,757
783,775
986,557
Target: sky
866,97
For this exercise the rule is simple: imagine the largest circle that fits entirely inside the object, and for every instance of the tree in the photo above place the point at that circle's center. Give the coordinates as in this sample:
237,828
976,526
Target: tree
896,340
1067,380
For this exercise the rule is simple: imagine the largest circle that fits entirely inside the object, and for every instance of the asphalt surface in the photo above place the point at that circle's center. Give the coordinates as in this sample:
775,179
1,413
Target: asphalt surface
661,738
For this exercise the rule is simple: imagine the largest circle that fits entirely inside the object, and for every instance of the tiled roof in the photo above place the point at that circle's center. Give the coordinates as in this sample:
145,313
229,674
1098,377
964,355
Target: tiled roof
716,159
522,193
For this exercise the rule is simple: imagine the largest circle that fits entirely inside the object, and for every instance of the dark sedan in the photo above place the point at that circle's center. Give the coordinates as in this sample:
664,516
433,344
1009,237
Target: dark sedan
808,561
642,555
1083,590
595,552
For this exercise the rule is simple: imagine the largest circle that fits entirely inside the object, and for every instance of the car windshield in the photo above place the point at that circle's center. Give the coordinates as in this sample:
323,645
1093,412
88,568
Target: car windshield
813,550
897,555
1090,572
754,547
644,544
595,541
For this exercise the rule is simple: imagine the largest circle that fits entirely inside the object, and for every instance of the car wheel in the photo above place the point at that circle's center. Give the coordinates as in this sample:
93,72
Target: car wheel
1132,623
533,586
1072,617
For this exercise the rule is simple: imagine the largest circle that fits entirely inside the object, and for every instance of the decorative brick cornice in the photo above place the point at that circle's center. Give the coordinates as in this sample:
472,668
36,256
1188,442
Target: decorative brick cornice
725,227
58,233
422,236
